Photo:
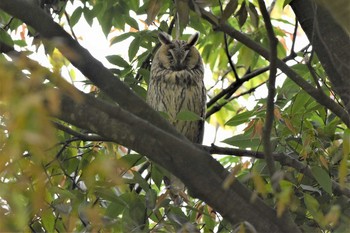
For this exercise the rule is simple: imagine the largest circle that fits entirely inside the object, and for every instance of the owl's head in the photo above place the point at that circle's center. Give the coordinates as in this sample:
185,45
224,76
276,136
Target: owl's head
178,54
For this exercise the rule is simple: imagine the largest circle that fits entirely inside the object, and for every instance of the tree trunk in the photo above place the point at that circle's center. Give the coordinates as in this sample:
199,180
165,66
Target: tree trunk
329,41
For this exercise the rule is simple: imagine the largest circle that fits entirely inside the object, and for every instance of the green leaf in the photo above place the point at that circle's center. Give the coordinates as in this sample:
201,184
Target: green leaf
121,37
138,179
254,16
75,16
286,2
240,118
106,21
134,48
301,102
346,142
186,115
131,22
48,220
151,198
132,159
313,207
140,91
20,43
243,141
157,175
115,209
242,15
117,60
6,38
322,178
134,216
343,167
88,15
229,9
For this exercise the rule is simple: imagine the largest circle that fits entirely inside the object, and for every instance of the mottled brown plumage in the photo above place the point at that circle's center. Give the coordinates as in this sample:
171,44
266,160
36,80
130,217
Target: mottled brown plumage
176,84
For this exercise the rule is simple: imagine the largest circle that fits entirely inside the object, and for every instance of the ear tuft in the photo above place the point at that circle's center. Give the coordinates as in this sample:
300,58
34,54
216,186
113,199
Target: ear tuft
164,38
193,39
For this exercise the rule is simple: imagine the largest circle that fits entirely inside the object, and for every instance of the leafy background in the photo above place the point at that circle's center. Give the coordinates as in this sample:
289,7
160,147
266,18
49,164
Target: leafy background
53,178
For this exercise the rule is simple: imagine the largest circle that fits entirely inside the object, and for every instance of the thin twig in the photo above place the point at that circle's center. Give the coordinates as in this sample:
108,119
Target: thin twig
313,73
284,159
229,58
270,105
318,95
218,106
294,36
70,26
78,135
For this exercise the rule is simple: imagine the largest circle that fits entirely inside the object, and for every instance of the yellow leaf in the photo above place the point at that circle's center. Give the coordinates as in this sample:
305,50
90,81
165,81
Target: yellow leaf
259,183
343,163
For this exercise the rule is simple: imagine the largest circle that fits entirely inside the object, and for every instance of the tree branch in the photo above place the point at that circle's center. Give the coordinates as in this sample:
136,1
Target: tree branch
283,159
318,95
332,51
270,105
84,61
196,168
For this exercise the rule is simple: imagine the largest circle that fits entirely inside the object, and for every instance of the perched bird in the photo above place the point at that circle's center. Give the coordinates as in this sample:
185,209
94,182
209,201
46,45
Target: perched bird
176,85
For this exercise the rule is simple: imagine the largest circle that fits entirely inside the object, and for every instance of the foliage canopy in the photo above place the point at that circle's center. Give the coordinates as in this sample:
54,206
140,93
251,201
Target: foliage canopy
71,161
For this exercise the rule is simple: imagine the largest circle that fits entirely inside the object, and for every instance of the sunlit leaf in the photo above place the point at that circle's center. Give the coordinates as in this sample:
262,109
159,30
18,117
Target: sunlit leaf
240,118
48,220
243,141
117,60
75,17
6,38
313,206
131,22
343,167
134,47
121,37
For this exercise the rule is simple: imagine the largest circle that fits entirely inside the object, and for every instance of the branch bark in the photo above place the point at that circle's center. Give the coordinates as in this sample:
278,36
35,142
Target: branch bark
270,104
134,124
81,58
196,168
330,42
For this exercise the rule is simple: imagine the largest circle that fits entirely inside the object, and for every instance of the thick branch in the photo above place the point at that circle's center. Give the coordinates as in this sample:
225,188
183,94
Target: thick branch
84,61
196,168
330,42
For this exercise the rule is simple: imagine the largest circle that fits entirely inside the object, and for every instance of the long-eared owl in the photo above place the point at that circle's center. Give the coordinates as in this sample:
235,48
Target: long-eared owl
176,84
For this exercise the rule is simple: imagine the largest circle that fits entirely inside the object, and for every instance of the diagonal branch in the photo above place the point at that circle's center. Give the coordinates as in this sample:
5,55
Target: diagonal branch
196,168
318,95
84,61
